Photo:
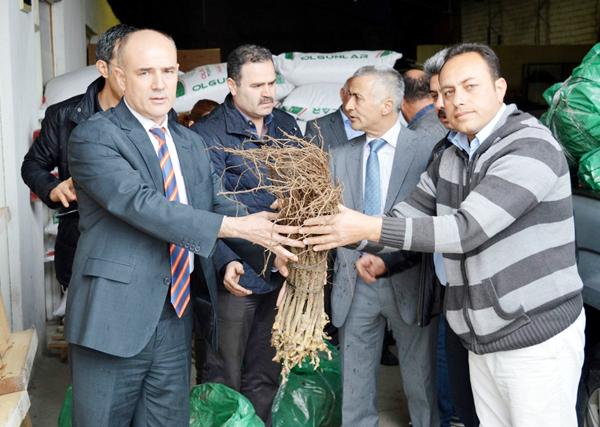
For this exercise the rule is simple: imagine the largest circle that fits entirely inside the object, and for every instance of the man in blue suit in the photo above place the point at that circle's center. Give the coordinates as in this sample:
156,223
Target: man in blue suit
148,202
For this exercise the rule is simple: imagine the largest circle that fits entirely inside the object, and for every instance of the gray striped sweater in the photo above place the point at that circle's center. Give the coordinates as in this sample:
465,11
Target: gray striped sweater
504,222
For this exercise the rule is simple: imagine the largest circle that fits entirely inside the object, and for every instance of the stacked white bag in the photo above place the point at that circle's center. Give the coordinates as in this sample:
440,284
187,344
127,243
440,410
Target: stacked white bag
320,76
210,82
307,85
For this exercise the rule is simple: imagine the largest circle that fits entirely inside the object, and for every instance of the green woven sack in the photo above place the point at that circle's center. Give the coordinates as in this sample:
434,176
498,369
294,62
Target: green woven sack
574,113
589,169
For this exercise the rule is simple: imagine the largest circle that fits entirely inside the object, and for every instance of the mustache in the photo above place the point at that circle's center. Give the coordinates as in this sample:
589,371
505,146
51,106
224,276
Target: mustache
266,100
442,113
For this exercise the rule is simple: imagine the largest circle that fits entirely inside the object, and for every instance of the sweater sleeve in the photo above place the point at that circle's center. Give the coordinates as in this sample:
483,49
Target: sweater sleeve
528,172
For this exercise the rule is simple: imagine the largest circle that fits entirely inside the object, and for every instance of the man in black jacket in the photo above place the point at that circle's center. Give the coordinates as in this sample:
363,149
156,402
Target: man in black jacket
49,150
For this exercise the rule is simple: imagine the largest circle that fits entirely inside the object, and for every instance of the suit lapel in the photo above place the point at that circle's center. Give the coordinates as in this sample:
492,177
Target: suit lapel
337,127
140,139
403,157
354,171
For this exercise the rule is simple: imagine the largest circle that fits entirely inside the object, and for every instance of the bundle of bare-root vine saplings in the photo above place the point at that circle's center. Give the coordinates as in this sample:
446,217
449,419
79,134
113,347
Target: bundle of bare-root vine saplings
296,172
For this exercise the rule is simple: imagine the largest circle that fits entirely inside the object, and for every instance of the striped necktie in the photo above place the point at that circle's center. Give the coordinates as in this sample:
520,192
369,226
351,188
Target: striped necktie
372,192
180,258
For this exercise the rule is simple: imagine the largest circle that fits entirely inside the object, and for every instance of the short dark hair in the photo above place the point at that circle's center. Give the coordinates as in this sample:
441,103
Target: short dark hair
244,54
416,89
107,41
486,52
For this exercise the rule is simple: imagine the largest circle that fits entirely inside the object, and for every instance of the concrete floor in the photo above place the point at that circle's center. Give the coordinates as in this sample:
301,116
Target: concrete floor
51,377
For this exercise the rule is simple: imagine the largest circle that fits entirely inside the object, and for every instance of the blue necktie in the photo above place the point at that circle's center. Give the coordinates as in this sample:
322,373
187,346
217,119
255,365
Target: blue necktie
180,258
372,193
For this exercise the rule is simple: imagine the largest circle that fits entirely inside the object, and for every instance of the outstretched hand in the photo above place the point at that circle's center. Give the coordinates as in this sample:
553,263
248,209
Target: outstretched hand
258,228
344,228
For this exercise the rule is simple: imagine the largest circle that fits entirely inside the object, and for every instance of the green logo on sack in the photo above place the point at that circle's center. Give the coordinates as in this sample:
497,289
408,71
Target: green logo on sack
180,89
293,110
289,55
321,111
386,53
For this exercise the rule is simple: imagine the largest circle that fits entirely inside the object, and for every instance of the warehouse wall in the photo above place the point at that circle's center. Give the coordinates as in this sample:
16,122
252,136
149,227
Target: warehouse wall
21,248
66,27
530,22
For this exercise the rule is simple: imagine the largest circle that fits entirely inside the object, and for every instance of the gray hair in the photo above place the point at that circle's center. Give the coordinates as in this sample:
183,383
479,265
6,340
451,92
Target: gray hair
108,40
434,64
387,79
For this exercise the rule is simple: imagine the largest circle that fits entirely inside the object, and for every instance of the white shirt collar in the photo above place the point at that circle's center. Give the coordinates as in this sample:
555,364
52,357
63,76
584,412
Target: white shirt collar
391,136
146,122
462,141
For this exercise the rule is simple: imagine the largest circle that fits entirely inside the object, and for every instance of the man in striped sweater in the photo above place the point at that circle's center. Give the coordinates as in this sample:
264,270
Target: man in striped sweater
496,201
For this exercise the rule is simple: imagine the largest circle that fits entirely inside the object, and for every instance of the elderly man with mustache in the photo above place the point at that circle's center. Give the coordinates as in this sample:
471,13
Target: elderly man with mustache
246,308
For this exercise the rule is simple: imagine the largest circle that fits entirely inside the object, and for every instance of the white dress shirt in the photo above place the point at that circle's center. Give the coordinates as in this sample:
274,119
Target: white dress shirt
148,124
462,141
386,160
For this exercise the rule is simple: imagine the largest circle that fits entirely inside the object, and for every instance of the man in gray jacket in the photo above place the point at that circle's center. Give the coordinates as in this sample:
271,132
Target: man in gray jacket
378,170
148,202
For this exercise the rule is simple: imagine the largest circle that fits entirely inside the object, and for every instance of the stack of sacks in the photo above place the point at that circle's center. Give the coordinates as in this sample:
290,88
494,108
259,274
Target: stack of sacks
68,85
210,82
318,78
307,85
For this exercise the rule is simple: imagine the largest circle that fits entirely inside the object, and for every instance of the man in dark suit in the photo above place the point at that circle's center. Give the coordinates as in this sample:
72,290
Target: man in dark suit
148,201
389,159
334,129
418,108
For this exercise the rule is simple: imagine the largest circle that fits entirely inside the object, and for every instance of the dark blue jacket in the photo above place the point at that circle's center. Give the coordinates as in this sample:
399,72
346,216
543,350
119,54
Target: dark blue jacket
226,127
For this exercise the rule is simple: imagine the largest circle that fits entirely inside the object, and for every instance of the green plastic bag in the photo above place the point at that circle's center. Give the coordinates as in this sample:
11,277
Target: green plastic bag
211,405
216,405
589,169
311,397
66,411
574,113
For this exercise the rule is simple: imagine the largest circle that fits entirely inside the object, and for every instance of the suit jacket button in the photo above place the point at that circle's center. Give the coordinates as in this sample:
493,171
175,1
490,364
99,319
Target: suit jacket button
167,280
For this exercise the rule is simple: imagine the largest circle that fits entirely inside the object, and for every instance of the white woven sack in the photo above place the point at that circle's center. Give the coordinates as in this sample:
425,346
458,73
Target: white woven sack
69,84
300,68
312,101
204,82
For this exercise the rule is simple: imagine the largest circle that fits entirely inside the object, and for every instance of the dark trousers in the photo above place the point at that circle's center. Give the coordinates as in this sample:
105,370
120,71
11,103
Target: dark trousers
457,358
148,389
244,359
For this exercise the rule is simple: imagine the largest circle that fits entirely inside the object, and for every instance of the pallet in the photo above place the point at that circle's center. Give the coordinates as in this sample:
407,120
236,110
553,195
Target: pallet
58,344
